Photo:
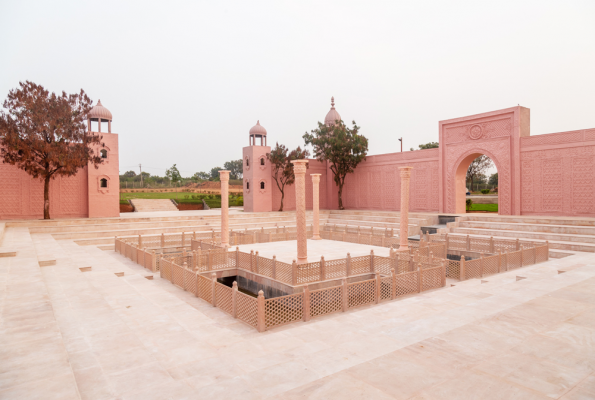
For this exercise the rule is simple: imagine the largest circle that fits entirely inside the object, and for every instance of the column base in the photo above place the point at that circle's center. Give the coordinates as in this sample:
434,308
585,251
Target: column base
316,237
302,260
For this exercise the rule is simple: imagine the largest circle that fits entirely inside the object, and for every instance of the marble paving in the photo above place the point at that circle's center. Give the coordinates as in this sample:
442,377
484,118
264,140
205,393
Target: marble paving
68,334
331,250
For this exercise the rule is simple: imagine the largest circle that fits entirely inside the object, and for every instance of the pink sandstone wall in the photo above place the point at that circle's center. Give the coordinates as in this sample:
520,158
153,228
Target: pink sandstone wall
79,196
558,173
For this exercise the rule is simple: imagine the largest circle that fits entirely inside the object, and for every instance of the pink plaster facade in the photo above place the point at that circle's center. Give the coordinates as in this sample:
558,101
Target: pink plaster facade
257,173
78,196
550,174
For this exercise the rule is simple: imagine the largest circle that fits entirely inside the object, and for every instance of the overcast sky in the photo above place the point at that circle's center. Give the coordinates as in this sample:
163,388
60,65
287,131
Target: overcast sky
185,81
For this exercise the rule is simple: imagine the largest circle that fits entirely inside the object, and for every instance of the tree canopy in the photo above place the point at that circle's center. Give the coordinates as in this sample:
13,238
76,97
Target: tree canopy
235,168
342,146
430,145
477,169
282,169
493,179
45,134
173,174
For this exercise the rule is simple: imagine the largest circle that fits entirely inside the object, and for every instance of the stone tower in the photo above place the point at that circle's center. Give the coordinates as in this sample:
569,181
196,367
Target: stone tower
258,194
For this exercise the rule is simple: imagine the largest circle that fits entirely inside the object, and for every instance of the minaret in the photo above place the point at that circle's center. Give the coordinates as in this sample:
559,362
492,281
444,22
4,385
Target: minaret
258,194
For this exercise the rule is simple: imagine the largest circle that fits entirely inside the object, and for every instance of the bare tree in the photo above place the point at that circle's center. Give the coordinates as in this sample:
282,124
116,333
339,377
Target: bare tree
46,134
477,168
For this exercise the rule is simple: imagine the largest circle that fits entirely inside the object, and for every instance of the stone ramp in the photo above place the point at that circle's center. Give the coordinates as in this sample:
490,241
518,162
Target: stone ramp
151,205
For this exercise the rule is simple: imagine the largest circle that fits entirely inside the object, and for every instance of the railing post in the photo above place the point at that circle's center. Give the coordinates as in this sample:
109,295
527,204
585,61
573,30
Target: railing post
210,260
322,269
446,240
214,288
162,240
491,244
274,267
234,292
261,322
194,235
506,258
419,280
393,294
468,243
518,245
294,272
499,261
251,260
348,265
306,303
462,269
521,257
547,250
481,265
345,293
534,253
256,262
377,296
140,241
372,261
154,262
237,257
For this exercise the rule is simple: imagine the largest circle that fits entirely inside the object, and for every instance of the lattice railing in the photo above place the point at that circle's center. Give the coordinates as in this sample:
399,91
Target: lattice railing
362,293
284,310
205,288
326,301
247,309
407,283
224,297
432,278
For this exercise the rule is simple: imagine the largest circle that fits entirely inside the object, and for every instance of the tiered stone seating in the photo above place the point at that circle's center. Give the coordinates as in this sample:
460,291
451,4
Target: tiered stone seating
565,235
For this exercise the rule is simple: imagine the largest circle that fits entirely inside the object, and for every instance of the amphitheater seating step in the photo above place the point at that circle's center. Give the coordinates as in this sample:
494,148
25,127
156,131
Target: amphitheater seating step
148,205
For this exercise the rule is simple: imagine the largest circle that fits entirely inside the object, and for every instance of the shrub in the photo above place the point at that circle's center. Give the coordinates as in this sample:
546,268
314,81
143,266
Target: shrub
469,203
485,191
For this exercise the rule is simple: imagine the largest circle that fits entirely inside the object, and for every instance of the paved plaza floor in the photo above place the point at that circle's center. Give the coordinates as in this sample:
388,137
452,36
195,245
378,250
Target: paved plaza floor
286,251
67,334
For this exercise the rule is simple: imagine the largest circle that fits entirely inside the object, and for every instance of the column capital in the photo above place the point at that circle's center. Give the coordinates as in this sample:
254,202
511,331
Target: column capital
315,178
405,172
224,175
299,166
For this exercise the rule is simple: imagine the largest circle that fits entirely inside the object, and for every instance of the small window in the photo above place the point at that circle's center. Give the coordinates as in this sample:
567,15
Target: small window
248,185
103,153
262,161
103,183
247,162
262,185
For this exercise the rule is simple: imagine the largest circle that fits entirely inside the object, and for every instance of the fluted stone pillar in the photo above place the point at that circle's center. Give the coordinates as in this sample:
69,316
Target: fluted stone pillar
224,177
404,221
299,169
315,207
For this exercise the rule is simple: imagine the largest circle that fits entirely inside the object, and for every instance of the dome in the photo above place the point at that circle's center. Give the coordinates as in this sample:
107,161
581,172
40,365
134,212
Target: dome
332,115
100,111
258,129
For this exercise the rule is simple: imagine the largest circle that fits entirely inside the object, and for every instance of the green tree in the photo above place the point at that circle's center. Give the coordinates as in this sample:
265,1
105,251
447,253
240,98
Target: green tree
282,168
173,174
493,179
215,173
46,134
343,147
201,176
430,145
477,169
129,174
235,168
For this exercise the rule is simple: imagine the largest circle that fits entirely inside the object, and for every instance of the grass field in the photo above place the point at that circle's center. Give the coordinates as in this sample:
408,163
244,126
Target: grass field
484,207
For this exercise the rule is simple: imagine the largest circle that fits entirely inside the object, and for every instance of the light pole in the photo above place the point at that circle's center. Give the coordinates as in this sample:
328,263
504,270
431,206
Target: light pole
401,140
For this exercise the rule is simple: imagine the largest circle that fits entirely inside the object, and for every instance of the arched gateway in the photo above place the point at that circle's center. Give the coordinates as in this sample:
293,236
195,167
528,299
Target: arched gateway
495,134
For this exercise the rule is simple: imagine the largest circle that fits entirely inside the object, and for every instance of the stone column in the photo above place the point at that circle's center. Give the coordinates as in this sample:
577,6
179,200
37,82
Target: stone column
315,206
299,169
404,221
224,176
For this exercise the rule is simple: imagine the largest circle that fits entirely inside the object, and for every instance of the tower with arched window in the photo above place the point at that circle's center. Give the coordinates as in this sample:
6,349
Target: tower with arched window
258,195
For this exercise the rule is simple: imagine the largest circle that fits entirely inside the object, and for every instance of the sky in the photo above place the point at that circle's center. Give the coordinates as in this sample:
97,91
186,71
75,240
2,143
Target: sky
185,81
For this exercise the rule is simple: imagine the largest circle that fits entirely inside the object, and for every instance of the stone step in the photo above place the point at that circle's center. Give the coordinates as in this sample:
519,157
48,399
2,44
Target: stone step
548,220
545,228
524,236
413,229
528,235
152,205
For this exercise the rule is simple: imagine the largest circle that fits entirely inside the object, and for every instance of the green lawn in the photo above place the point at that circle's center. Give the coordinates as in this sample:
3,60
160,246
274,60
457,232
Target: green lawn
484,207
178,197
